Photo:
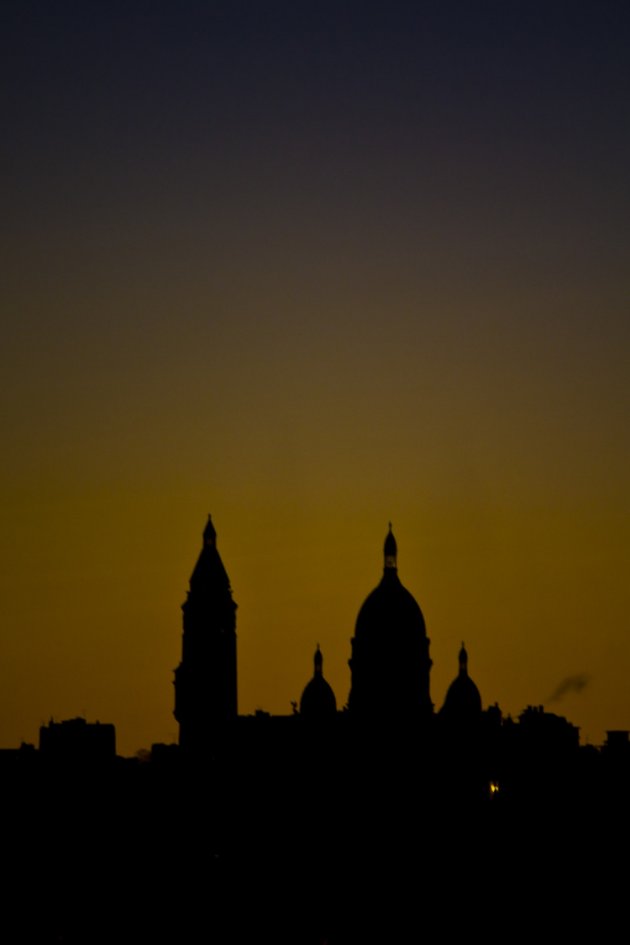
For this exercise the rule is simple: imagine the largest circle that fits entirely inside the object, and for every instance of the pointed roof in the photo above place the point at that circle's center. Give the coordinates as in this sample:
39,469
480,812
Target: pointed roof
209,533
209,577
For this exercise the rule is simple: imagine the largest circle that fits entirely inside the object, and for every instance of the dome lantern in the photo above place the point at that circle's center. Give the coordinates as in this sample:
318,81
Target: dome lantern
390,550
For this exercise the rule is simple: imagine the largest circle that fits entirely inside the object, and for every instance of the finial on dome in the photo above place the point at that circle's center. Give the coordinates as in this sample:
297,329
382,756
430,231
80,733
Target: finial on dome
318,700
463,661
390,549
319,661
209,533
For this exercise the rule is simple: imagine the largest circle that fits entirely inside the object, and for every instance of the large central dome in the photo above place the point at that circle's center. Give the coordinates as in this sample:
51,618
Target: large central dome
390,651
390,609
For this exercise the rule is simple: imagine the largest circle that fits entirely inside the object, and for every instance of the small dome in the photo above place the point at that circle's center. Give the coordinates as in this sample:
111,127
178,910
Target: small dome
463,699
318,699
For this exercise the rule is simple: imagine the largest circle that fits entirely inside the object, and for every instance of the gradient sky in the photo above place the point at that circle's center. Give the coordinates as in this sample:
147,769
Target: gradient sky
312,267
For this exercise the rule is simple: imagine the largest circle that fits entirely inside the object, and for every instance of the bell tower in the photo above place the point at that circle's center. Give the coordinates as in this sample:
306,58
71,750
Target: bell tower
205,680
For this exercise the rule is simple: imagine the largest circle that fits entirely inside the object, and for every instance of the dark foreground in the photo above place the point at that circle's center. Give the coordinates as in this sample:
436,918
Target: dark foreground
173,853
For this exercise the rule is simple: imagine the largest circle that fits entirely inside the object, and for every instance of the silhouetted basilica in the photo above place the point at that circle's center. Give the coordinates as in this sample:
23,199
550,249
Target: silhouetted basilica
390,663
388,739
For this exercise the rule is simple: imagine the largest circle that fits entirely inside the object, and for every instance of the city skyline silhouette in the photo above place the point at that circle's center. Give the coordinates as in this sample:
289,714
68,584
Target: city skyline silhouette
314,268
215,674
326,825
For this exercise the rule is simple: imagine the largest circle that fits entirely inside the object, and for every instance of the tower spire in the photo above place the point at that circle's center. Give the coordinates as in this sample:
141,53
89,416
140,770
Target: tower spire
209,534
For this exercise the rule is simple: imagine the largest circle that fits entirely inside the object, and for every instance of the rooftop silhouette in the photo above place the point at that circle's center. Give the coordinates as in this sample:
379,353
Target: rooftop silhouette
261,826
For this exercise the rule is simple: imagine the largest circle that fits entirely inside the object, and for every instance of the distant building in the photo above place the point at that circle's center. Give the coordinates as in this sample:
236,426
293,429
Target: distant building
546,730
78,740
618,741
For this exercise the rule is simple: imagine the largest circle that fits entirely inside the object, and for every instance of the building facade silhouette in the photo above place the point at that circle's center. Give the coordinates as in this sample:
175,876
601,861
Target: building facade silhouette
205,680
314,826
389,663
